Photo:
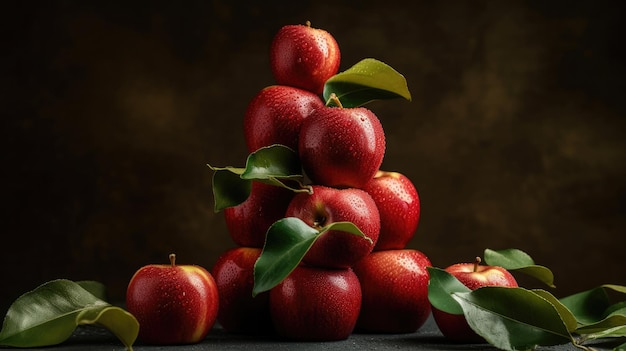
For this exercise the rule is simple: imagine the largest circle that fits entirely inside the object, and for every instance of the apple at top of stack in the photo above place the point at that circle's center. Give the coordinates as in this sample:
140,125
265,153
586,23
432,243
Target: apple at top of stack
304,57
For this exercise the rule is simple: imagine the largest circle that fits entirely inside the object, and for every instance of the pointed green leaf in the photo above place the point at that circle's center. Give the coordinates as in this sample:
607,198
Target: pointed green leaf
286,243
347,227
513,318
441,285
541,273
49,314
518,260
229,189
588,306
275,161
366,81
277,165
614,316
612,321
96,289
566,315
117,320
617,288
619,307
616,332
508,258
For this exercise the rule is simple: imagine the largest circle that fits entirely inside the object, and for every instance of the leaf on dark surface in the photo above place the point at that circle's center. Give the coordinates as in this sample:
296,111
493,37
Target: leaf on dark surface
49,314
513,318
566,315
588,306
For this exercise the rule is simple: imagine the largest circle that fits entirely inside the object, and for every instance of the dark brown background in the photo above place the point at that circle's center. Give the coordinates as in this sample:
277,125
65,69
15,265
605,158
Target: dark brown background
111,111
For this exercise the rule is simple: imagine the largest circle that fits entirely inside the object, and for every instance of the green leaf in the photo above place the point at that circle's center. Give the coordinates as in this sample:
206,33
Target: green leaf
276,164
366,81
441,286
275,161
286,243
594,311
566,315
117,320
612,321
229,189
508,258
619,307
616,332
95,288
49,314
588,306
518,260
513,318
617,288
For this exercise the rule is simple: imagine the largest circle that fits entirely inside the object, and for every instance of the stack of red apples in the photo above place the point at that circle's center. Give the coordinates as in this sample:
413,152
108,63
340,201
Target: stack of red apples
345,282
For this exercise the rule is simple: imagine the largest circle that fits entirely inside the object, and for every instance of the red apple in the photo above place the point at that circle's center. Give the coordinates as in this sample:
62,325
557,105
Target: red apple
304,57
316,304
275,114
239,311
341,147
399,207
249,221
394,285
473,275
173,304
337,249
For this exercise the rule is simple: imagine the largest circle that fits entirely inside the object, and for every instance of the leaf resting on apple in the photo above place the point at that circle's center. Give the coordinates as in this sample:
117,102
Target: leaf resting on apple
518,260
366,81
288,240
276,164
525,319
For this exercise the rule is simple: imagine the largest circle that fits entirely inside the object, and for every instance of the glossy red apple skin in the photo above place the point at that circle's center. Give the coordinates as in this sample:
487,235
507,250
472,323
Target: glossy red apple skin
248,222
399,206
394,285
315,304
274,116
455,327
239,311
304,57
174,304
341,147
337,249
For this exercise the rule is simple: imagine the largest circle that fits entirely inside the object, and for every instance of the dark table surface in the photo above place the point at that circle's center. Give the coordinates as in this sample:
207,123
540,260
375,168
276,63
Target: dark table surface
427,337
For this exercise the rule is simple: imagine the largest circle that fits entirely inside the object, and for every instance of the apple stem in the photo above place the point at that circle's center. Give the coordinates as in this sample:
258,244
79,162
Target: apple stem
476,263
173,259
334,99
308,23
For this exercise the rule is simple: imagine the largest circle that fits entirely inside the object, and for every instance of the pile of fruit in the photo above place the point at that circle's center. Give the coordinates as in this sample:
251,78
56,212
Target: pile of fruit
350,222
321,236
